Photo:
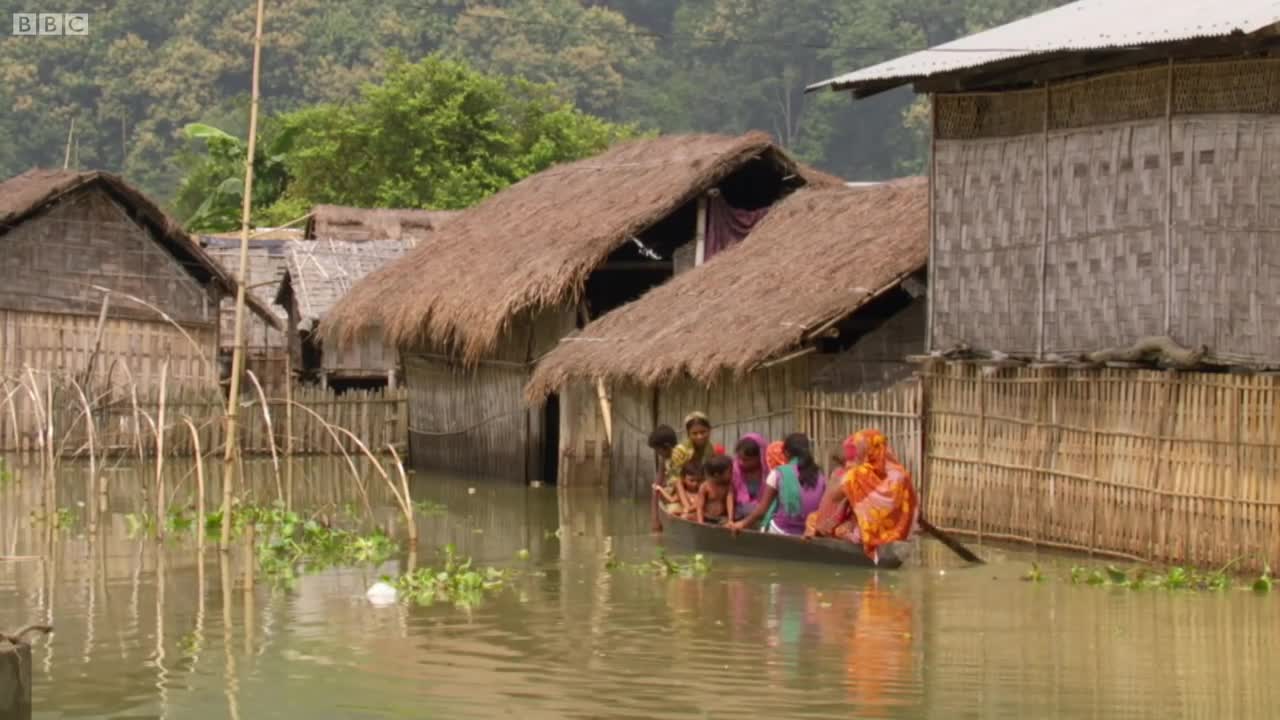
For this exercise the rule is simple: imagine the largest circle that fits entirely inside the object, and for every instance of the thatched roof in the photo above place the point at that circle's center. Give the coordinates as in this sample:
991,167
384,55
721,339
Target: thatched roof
267,265
816,258
26,195
336,222
282,233
533,244
320,273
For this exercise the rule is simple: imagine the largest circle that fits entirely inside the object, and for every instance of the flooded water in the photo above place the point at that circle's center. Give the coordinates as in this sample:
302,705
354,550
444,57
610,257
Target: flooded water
154,630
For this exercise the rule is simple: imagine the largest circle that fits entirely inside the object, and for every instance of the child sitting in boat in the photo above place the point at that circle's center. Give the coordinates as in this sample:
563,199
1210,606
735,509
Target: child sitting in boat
715,497
684,500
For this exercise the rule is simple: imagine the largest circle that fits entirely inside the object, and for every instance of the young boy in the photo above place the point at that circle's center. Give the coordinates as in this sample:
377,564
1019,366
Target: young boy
715,496
684,500
662,441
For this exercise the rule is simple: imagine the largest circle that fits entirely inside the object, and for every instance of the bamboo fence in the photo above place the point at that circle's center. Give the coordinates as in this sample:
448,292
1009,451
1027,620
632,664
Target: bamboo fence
897,411
122,420
1157,466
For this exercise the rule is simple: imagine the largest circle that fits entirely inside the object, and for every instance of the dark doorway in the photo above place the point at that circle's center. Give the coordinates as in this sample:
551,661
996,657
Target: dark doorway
551,440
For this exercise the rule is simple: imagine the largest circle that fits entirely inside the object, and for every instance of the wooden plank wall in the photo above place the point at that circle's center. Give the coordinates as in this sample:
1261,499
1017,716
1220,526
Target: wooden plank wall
1177,467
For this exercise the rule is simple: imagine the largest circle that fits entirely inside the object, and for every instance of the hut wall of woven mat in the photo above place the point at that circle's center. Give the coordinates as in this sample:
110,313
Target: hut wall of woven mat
122,417
898,411
1095,212
1176,467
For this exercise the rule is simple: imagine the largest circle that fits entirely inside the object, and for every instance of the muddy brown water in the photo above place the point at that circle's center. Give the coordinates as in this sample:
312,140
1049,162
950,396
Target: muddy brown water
153,630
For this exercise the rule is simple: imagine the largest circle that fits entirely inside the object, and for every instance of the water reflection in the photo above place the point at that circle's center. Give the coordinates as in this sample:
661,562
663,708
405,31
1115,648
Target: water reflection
169,630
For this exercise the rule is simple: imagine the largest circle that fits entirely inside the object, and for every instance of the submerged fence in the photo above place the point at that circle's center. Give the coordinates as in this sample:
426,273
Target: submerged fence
1162,466
125,419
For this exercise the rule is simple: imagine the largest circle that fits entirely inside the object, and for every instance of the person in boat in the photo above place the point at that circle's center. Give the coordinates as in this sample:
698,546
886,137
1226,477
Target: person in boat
684,502
749,471
662,441
792,491
882,500
714,503
695,448
834,516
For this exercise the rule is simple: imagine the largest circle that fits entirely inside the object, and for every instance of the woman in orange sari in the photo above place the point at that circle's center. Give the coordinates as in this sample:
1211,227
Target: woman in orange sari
880,492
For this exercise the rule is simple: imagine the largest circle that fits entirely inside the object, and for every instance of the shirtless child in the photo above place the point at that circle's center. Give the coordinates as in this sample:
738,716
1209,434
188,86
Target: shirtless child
715,498
684,500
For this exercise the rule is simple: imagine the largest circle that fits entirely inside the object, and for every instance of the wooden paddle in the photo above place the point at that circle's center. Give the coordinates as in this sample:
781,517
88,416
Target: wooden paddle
955,545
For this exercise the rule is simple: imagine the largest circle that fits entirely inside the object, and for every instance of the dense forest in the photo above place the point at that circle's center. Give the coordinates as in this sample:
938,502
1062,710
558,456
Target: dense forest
544,80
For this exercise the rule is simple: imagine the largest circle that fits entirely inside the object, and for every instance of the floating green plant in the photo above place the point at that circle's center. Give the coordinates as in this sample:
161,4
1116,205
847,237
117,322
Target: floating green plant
64,519
663,565
1177,577
1034,574
455,580
430,508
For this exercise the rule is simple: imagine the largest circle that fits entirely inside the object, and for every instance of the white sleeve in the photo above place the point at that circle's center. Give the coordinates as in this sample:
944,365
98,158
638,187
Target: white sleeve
772,479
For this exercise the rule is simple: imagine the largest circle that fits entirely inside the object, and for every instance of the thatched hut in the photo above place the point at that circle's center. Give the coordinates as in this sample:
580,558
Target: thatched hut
827,293
265,342
475,305
351,224
1101,173
79,243
317,275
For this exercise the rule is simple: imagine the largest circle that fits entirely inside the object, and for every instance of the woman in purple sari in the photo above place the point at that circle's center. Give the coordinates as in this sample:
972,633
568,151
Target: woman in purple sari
749,472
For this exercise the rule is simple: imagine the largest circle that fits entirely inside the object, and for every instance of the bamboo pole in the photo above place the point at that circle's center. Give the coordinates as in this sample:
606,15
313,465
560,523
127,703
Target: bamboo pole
237,354
288,430
164,372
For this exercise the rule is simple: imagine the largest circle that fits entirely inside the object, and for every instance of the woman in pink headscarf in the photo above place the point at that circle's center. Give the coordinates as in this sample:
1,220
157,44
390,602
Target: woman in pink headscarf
749,471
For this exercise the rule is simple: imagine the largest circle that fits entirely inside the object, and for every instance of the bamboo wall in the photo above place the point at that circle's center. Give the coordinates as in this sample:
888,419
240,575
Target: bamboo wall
54,260
1095,212
897,411
369,357
473,420
1177,467
123,421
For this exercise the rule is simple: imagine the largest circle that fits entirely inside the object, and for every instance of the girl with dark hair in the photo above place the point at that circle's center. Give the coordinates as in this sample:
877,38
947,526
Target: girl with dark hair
749,471
792,491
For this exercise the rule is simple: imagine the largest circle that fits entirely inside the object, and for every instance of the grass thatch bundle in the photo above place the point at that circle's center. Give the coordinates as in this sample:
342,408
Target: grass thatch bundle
534,244
818,256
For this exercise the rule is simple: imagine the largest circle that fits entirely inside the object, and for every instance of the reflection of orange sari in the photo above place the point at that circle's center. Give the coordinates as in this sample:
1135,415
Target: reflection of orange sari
880,651
880,492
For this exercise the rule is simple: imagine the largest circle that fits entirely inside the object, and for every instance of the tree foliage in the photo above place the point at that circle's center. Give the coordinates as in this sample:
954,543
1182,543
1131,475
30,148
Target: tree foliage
150,68
433,134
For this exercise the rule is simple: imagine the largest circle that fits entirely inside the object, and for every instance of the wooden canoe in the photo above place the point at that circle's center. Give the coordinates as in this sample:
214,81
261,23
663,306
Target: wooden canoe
690,536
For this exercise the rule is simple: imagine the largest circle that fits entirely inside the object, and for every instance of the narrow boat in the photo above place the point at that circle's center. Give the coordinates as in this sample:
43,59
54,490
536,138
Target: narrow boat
690,536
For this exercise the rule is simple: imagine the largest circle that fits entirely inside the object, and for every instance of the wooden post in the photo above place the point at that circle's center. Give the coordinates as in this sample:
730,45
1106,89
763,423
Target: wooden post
288,430
933,221
1093,473
700,232
1168,205
982,453
1044,226
237,354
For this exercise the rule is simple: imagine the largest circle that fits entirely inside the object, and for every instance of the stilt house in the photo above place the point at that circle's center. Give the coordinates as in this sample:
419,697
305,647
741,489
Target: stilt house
1105,182
474,306
318,274
99,281
827,293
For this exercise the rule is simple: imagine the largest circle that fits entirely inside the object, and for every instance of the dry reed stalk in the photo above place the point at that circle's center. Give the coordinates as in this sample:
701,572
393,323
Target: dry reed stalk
403,497
164,390
90,506
288,430
195,444
333,434
271,435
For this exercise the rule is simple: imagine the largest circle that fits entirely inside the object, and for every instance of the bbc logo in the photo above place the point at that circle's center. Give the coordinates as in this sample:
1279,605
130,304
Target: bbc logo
50,23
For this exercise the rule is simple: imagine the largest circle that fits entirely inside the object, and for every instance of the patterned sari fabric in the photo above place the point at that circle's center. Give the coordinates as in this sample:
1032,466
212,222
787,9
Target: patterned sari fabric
880,491
834,517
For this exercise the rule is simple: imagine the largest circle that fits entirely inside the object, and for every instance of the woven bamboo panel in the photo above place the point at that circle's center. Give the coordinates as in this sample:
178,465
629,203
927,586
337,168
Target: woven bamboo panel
989,211
829,418
1105,264
54,261
1166,467
1113,98
965,116
1244,86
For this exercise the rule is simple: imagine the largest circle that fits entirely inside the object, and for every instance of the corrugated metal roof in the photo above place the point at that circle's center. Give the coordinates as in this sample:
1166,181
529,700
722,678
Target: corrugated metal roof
1079,26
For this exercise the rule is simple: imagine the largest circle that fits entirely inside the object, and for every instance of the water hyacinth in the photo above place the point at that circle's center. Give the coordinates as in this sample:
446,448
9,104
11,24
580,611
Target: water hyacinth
456,580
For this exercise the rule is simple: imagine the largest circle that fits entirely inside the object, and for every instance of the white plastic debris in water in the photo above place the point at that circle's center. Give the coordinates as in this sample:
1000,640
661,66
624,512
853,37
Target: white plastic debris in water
381,595
471,491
